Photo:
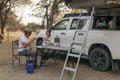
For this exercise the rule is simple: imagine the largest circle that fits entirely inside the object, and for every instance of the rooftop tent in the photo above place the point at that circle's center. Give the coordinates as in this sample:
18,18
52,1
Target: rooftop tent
89,3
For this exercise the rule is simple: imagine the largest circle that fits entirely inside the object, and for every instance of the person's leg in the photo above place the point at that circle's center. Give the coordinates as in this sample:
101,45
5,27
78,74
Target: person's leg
25,53
44,57
36,58
33,55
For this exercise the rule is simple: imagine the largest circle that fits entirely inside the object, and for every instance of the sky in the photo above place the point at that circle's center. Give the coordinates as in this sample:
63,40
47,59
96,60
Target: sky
24,13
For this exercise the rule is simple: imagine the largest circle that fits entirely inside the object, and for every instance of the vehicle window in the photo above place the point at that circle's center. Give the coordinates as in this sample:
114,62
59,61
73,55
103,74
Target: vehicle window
118,23
62,25
102,22
82,22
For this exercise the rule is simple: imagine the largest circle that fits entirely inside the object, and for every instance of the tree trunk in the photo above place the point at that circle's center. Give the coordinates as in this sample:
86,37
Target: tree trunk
54,7
3,22
2,25
2,29
47,19
53,11
3,16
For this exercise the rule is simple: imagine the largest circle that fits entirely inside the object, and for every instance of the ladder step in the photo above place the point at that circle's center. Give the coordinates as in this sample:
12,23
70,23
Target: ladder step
73,55
69,69
76,43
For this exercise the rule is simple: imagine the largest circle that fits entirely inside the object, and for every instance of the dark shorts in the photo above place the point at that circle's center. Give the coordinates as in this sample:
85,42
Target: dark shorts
47,54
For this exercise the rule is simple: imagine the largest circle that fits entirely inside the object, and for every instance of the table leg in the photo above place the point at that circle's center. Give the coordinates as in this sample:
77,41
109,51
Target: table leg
36,57
41,61
57,56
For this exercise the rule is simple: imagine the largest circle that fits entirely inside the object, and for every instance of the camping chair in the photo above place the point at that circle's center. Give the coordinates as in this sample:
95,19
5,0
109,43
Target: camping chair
15,54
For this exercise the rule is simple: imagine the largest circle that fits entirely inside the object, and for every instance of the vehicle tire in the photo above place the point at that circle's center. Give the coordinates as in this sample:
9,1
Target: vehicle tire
100,59
39,42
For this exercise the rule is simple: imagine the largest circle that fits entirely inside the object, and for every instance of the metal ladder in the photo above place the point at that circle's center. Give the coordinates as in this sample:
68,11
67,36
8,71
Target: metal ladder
73,55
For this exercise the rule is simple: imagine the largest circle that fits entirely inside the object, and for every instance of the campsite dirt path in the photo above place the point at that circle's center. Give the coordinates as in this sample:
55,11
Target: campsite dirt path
51,71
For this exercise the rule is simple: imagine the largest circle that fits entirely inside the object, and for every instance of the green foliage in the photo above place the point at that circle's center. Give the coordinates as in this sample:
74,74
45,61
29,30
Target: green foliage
12,20
35,26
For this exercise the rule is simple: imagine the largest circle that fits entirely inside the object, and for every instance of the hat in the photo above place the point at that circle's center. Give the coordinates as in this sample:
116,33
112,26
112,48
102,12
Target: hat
27,30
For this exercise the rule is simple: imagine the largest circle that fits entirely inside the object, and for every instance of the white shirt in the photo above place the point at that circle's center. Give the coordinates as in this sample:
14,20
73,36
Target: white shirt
21,40
45,42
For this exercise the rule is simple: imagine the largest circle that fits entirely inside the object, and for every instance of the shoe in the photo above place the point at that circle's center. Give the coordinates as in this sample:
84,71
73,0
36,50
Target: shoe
42,64
35,66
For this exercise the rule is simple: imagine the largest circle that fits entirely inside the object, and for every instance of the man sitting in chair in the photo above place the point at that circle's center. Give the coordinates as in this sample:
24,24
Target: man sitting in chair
25,44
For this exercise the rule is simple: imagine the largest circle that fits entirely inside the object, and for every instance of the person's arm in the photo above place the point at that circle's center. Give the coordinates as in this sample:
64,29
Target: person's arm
47,39
25,44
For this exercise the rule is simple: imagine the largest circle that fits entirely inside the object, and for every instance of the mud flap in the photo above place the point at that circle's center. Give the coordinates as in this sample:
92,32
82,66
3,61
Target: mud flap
115,66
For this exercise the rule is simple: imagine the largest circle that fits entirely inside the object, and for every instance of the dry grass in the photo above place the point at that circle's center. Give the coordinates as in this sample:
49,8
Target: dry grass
6,46
50,72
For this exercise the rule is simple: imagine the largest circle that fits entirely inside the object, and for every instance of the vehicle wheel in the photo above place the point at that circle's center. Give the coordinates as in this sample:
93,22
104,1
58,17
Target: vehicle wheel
39,42
100,59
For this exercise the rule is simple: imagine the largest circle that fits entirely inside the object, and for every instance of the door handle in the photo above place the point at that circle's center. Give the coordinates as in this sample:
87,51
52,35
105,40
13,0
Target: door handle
80,33
62,33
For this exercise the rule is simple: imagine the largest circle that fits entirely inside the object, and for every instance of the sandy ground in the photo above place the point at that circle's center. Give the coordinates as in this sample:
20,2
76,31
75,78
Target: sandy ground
51,71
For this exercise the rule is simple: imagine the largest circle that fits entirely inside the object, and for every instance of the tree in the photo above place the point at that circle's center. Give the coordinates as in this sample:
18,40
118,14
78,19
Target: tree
6,7
42,11
34,26
53,10
12,22
49,9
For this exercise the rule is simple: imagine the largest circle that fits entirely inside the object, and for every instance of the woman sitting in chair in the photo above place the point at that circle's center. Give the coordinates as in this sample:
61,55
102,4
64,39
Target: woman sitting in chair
47,41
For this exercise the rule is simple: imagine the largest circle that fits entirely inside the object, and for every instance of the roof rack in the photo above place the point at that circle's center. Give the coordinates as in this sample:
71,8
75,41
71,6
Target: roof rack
97,12
75,15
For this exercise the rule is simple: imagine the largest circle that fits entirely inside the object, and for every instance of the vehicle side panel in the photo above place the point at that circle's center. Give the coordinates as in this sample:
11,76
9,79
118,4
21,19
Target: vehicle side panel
110,38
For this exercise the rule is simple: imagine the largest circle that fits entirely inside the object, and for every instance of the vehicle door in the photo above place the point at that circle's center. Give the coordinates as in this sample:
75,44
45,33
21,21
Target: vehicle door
59,29
80,32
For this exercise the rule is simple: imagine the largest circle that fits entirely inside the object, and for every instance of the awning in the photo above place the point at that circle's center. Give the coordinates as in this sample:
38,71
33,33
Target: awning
87,4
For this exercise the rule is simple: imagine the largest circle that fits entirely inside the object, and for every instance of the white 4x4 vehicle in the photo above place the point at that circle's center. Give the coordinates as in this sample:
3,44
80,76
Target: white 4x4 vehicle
103,40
